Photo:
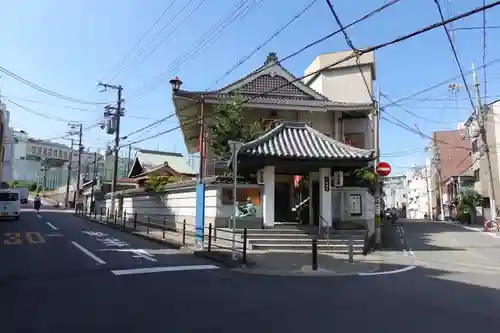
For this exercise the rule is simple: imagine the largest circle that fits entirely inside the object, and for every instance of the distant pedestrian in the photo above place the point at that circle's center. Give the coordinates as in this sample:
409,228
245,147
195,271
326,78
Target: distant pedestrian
37,203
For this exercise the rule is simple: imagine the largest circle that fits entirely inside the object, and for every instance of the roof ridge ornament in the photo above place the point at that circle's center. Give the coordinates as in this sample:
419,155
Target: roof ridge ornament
272,58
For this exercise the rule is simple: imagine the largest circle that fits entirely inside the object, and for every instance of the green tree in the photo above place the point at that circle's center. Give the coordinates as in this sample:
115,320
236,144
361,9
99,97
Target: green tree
32,187
468,200
157,183
230,124
14,183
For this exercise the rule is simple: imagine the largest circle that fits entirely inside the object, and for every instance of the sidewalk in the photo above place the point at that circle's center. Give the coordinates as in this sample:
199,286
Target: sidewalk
298,264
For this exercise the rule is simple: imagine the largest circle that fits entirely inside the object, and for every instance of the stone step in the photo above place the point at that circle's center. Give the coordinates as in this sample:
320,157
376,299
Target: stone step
271,241
307,247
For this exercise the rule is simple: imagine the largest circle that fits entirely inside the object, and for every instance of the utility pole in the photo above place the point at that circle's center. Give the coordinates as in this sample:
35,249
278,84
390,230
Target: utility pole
429,203
116,112
376,130
78,173
94,177
480,115
68,180
129,165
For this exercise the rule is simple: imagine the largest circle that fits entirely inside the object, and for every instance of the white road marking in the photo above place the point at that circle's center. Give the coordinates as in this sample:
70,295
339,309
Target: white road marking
87,252
54,235
143,254
163,269
411,253
52,226
401,270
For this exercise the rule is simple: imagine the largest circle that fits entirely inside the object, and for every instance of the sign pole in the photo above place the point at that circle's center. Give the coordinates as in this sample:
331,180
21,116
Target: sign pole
382,169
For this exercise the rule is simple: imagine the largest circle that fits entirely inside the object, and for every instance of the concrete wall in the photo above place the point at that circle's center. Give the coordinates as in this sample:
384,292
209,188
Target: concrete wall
179,205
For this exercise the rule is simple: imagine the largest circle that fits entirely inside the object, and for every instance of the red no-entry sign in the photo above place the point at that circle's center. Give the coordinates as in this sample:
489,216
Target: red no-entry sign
383,169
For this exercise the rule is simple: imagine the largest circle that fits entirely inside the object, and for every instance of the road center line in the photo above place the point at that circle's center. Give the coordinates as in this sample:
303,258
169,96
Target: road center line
52,226
87,252
163,269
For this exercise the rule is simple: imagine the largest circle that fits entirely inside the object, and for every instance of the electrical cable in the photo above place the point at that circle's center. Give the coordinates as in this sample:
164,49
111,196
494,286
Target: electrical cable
129,52
210,37
322,39
165,39
455,55
46,91
351,56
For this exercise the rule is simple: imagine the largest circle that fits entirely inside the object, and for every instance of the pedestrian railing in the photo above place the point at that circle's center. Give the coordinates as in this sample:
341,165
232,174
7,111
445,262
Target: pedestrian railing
182,233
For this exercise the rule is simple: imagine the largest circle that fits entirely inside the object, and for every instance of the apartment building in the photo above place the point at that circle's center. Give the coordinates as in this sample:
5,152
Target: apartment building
479,165
419,192
395,192
452,169
6,144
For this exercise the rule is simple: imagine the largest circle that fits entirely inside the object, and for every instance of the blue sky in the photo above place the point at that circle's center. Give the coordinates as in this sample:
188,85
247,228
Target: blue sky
68,46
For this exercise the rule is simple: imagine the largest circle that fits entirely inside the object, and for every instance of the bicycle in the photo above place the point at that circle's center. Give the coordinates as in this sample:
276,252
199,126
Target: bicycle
492,225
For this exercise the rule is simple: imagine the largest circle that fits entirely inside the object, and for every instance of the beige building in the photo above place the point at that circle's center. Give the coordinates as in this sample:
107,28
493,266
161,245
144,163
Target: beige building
492,127
335,104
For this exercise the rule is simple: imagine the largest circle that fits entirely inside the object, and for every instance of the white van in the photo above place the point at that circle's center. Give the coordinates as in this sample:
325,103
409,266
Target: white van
10,204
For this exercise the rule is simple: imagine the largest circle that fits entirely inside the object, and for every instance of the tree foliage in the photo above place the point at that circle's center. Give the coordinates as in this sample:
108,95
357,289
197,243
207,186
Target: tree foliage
469,197
157,183
231,124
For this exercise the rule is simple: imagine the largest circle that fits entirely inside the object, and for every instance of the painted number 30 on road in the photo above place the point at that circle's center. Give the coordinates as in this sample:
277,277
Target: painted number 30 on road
17,238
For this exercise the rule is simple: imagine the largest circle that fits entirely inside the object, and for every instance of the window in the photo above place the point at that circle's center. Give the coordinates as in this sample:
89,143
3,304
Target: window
49,152
33,150
474,146
65,155
241,195
60,154
39,150
8,196
55,152
476,175
355,139
16,140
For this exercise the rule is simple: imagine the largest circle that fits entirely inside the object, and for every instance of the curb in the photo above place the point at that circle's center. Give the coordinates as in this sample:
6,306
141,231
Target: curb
319,273
214,256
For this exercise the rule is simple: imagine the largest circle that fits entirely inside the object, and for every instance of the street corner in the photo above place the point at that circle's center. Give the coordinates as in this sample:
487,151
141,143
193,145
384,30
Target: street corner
302,264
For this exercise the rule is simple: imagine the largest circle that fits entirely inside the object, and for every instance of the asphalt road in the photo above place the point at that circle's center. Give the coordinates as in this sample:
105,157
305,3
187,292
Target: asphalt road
49,284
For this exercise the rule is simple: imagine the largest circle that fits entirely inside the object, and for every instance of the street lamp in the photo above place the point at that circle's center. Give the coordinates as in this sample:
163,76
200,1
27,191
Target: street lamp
176,84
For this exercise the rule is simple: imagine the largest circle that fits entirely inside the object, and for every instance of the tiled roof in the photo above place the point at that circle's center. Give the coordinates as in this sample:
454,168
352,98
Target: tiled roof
150,159
277,100
300,141
273,84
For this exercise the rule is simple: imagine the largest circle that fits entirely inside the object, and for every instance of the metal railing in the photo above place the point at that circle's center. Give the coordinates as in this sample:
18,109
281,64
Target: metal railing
182,233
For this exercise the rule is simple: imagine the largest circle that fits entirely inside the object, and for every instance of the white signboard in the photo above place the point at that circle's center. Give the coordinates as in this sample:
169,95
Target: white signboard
338,178
355,205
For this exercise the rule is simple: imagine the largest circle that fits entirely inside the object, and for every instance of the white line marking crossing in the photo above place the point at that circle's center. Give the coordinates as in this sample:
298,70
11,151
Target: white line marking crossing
401,270
87,252
52,226
163,269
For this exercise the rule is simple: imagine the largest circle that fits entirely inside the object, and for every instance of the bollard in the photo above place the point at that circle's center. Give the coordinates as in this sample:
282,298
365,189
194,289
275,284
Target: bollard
107,216
184,232
164,226
351,250
114,217
124,219
148,219
244,259
314,254
100,215
135,220
209,237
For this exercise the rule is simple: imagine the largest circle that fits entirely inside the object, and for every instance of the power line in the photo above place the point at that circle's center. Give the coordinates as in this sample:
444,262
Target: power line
412,113
455,55
210,37
44,90
168,35
129,52
37,113
274,35
322,39
351,56
495,61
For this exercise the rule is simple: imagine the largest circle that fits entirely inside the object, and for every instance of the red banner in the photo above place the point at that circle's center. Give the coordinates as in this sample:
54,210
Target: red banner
296,181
